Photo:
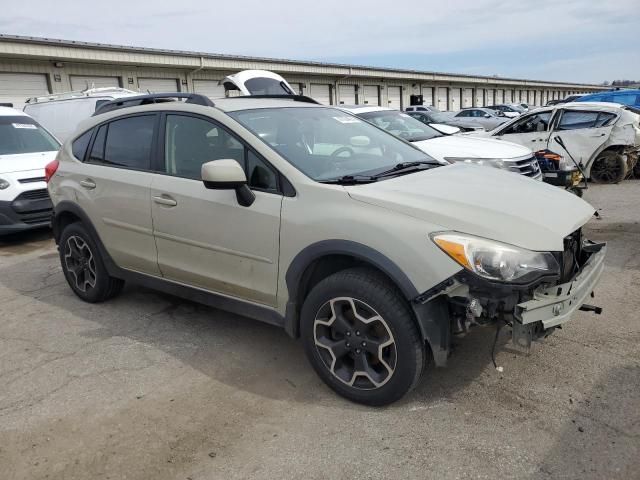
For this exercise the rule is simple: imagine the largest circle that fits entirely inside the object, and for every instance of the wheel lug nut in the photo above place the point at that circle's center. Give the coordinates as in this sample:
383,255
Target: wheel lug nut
364,344
358,332
348,334
348,344
358,350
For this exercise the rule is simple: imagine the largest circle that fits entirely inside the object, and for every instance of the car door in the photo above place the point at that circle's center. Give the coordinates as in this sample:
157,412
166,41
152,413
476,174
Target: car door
530,130
113,189
582,131
205,238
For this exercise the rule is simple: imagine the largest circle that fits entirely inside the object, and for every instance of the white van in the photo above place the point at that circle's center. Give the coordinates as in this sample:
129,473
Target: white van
61,113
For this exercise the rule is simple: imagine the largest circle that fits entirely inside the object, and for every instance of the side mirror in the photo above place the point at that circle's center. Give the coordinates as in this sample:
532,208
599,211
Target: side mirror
486,115
227,174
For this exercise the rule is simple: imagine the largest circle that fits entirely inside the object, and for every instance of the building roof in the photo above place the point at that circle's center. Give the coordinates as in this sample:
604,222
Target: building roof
66,47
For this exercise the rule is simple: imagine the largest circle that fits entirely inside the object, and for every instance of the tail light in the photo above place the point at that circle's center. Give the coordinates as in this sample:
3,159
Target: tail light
50,170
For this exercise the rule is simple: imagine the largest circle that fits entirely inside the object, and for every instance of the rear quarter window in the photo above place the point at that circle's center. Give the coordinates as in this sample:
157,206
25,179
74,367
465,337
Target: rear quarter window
80,144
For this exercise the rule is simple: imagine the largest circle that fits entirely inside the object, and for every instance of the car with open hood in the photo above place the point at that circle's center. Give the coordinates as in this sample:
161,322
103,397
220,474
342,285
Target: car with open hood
25,150
317,221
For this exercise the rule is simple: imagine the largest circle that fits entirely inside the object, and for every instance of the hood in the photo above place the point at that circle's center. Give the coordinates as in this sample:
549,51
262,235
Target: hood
25,161
486,202
472,147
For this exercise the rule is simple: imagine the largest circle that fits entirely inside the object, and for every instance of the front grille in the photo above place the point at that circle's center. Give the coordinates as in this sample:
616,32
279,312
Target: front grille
32,218
40,194
528,166
32,180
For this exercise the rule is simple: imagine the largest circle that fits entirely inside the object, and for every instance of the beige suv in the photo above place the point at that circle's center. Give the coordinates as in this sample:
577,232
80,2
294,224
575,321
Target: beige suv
311,219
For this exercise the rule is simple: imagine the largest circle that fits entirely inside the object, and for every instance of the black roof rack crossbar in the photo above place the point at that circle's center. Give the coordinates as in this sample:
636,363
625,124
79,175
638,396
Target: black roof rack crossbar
151,98
295,98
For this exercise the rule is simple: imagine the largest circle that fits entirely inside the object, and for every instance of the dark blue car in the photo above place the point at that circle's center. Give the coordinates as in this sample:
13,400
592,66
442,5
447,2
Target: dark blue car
625,97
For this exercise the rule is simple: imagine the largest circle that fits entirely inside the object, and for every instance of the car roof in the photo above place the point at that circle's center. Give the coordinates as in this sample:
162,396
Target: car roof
598,106
364,108
12,112
247,102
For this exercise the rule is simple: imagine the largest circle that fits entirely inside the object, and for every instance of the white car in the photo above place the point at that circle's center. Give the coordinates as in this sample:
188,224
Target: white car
604,137
25,149
451,148
257,82
61,113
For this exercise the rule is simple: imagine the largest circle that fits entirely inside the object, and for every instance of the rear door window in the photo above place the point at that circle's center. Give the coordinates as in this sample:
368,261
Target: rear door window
576,120
80,144
126,142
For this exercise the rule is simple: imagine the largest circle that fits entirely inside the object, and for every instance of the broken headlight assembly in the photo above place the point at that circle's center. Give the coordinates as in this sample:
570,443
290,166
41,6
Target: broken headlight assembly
496,261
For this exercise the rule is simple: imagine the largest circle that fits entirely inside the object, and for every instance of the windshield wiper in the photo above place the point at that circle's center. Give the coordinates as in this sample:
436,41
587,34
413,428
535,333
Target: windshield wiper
406,167
350,180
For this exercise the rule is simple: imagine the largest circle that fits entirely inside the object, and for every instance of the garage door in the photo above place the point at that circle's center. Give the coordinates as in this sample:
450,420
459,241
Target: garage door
499,96
490,97
82,83
15,88
158,85
346,94
442,99
479,97
394,97
454,99
297,87
467,97
209,88
321,93
427,95
371,95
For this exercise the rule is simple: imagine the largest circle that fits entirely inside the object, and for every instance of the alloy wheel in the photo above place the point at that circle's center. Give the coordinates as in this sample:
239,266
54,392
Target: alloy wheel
80,263
355,343
606,170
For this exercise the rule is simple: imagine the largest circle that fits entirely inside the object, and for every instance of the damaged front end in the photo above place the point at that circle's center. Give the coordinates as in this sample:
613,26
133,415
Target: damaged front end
533,309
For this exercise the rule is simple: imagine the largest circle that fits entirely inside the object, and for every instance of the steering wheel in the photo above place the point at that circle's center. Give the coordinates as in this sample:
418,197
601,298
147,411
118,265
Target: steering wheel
335,155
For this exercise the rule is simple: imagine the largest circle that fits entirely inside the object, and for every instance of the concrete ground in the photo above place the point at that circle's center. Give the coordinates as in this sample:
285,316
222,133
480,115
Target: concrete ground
148,386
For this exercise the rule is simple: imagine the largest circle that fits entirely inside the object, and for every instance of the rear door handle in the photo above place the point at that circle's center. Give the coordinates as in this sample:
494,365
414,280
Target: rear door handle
88,184
165,200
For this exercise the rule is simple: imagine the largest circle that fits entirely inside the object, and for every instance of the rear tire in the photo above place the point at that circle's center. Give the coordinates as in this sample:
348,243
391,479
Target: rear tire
83,266
609,167
360,337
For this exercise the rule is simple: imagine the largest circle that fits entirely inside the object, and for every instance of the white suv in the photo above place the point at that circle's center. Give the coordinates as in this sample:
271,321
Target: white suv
311,219
25,149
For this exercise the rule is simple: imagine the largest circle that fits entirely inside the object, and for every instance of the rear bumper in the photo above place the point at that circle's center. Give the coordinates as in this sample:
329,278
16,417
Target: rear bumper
24,214
554,306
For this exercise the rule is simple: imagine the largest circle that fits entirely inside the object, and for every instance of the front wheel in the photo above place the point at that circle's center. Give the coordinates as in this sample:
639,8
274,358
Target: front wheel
360,337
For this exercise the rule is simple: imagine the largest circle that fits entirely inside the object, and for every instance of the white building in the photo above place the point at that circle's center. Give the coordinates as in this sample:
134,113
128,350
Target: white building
32,67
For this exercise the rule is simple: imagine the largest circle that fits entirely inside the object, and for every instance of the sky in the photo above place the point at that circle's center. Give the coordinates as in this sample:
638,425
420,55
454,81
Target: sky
587,41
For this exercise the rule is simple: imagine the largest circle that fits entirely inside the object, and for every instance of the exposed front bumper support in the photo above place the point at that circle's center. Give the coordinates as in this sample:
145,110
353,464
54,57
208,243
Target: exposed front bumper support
554,306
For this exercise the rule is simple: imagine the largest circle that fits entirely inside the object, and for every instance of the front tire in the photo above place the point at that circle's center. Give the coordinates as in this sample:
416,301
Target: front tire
83,266
360,337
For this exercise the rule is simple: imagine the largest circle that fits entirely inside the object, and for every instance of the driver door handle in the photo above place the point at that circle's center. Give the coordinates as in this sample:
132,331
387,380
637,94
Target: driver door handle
88,184
165,200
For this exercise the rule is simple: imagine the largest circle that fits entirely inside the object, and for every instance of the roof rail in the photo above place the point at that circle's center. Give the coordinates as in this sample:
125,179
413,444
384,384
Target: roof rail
126,102
79,94
295,98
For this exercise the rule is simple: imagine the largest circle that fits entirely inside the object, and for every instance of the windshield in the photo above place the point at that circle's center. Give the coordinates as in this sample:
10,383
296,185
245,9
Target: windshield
327,143
401,125
266,86
21,134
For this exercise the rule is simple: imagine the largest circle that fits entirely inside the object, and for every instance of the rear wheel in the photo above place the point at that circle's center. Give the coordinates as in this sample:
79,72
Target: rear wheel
83,266
360,337
609,167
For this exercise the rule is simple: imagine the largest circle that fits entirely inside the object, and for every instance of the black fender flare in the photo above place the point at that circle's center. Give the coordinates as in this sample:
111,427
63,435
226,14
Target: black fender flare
315,251
66,206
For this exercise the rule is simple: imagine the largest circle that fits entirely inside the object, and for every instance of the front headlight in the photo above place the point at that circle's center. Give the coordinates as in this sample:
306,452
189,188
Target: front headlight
487,162
495,260
3,184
